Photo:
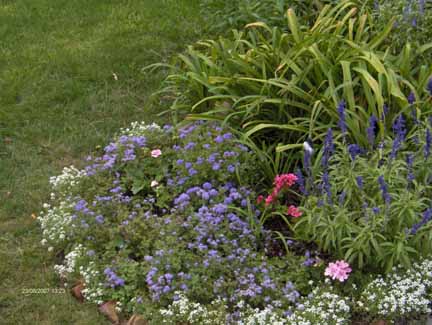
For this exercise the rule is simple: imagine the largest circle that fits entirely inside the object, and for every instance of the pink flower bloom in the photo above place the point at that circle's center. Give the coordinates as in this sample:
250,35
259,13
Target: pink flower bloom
294,211
156,153
339,270
260,198
269,199
284,180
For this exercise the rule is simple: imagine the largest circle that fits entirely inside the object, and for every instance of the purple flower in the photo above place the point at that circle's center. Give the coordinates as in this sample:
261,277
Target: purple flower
359,180
192,172
231,168
216,166
342,198
189,145
354,151
384,190
219,139
427,146
422,7
429,86
328,148
327,187
301,182
427,216
410,162
341,112
100,219
411,98
227,136
207,186
372,129
399,127
376,210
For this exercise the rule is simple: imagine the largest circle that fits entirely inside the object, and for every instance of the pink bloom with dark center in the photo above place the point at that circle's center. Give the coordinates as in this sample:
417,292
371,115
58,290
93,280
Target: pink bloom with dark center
294,211
156,153
338,270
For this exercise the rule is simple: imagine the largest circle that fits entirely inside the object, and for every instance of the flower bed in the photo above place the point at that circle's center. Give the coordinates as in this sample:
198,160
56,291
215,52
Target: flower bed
168,224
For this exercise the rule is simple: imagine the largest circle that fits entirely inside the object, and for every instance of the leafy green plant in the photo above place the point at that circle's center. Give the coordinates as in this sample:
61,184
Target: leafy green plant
284,87
413,21
371,207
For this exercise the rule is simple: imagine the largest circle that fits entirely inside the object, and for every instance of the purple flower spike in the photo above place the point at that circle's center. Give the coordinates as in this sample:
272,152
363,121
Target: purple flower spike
328,148
341,112
384,190
359,180
372,130
427,147
429,86
411,98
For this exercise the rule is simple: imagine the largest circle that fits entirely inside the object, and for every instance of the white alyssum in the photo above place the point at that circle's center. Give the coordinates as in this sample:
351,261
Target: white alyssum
323,307
70,261
56,222
139,128
68,179
184,310
94,290
399,293
261,317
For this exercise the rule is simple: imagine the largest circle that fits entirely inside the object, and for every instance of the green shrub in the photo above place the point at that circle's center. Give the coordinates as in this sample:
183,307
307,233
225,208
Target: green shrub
371,206
280,88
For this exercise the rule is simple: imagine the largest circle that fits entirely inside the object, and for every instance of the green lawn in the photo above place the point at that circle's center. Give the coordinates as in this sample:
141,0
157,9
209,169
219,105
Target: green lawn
59,99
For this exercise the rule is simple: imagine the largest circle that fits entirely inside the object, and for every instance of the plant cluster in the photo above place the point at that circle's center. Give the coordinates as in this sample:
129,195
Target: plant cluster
280,88
162,211
371,206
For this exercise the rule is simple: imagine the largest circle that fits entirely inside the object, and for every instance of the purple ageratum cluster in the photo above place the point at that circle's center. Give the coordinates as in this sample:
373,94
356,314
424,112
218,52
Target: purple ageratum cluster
113,280
123,150
219,240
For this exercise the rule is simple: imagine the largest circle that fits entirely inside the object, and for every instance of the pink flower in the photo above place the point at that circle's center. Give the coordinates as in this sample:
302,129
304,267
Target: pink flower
294,211
156,153
260,198
339,270
284,180
269,199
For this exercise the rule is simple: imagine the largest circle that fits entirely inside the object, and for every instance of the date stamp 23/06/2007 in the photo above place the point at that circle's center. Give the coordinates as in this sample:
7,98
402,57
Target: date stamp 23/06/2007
30,291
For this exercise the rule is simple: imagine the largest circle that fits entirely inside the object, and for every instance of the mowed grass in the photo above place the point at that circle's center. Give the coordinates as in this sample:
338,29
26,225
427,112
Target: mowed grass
59,99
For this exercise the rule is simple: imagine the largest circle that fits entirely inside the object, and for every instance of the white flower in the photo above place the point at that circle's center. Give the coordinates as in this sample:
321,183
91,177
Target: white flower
307,147
154,183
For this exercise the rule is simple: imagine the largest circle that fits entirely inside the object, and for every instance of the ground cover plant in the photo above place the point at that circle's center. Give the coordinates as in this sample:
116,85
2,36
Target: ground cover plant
161,213
70,76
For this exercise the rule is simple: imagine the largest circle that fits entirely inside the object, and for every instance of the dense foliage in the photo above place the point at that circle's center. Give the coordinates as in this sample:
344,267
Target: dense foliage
284,87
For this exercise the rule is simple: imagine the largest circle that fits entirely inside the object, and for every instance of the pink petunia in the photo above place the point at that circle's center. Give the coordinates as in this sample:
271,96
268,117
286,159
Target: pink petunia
156,153
339,270
294,211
